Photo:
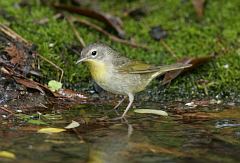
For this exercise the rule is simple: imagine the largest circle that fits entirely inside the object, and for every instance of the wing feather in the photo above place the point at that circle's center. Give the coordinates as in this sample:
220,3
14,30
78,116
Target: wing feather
136,67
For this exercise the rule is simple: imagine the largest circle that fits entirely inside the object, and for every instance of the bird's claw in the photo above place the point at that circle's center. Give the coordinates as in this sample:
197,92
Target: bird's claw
122,118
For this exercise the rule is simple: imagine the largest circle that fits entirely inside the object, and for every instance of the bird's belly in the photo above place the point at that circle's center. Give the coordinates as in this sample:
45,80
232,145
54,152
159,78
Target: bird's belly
123,83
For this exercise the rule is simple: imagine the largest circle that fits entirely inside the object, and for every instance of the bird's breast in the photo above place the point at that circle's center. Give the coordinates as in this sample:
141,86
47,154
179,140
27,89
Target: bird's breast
98,70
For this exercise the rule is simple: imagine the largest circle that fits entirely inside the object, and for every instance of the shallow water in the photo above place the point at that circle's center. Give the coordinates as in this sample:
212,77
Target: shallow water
210,137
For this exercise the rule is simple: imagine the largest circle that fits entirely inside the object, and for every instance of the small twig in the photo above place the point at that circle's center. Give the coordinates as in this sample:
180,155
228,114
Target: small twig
54,65
223,49
112,37
168,48
6,110
46,20
80,39
78,135
12,34
32,72
111,21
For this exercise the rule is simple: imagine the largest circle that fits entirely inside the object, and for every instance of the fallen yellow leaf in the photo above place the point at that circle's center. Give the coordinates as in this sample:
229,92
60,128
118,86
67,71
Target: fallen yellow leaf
50,130
6,154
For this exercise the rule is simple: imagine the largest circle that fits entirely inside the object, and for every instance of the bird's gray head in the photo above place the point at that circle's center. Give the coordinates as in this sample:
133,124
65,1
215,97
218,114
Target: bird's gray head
96,52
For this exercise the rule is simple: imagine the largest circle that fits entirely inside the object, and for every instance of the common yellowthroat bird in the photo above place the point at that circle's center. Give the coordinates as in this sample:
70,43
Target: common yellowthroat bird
121,75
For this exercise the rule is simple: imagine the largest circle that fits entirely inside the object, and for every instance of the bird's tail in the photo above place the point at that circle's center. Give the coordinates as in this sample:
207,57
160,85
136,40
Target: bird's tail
166,68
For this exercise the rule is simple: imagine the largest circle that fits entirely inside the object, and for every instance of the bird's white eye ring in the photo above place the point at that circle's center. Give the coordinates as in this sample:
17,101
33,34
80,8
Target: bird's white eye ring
94,53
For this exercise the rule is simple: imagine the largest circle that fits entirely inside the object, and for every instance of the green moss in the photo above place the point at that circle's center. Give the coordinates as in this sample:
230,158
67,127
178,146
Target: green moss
187,37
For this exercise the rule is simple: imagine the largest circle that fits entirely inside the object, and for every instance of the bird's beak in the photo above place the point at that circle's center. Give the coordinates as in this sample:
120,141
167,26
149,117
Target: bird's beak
81,60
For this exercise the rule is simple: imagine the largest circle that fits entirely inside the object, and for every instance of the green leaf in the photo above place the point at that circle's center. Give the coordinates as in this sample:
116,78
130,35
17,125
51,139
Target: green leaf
54,85
23,116
230,34
36,122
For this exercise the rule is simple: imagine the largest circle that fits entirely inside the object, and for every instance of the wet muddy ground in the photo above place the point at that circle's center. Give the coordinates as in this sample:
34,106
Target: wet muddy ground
200,134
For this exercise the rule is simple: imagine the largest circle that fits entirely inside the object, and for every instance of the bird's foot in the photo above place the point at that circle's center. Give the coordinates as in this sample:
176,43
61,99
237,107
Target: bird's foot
115,110
122,118
116,107
117,118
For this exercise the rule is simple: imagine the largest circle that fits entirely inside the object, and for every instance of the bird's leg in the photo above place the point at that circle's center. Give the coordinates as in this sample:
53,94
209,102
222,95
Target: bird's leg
119,103
131,98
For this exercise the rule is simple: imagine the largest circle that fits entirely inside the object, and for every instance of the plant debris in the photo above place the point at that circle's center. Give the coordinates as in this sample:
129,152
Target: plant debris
113,22
112,37
137,13
80,39
199,7
73,124
19,76
29,84
50,130
151,111
8,155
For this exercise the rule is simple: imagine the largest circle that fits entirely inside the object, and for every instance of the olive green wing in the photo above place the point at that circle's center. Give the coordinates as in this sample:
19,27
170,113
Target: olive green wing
136,67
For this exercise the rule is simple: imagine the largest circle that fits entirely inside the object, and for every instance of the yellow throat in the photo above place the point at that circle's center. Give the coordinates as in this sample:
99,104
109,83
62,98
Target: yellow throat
97,69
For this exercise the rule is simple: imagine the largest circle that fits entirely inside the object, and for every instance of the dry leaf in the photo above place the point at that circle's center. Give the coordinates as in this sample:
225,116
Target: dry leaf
228,114
70,94
50,130
29,84
198,6
74,124
6,154
113,22
16,54
34,85
151,111
155,149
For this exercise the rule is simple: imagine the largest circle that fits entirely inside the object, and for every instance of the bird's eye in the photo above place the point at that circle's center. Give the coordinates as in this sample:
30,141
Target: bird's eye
94,53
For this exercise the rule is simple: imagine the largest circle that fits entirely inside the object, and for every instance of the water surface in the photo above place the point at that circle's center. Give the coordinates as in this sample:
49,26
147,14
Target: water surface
204,136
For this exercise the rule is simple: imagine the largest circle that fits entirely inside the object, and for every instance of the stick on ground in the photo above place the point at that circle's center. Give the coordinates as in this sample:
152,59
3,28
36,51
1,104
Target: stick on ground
80,39
112,37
